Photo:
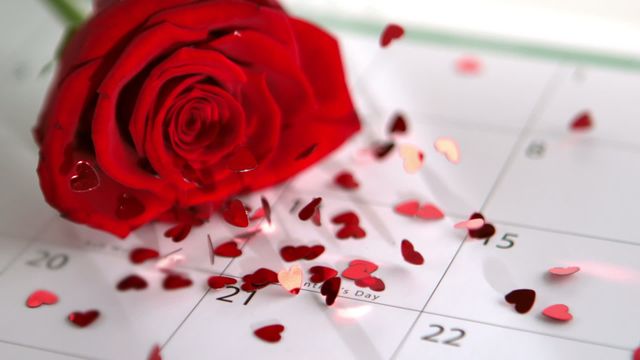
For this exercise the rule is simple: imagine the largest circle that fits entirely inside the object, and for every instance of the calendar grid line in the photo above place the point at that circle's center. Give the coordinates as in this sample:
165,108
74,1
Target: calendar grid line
77,356
546,92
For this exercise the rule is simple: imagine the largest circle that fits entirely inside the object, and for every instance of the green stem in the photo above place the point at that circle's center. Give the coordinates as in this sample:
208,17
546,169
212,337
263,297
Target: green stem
67,11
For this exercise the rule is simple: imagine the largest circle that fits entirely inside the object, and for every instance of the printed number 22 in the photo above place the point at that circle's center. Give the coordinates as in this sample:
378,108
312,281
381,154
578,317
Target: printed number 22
450,341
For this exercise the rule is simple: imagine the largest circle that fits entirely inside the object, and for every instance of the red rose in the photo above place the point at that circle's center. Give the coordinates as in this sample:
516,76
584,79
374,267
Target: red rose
157,103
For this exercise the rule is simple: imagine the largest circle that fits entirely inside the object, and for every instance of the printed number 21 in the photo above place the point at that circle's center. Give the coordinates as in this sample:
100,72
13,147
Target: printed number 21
507,241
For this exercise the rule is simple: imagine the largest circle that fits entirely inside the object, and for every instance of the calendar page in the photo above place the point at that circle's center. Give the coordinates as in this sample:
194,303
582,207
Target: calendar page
546,149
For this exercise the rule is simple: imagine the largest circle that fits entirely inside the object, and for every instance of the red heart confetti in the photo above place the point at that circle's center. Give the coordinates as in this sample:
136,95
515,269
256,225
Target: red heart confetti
307,212
178,232
330,290
267,208
359,269
371,282
83,319
564,271
407,208
558,312
259,279
176,281
241,160
41,297
321,273
236,214
129,207
582,122
486,231
468,65
390,33
294,253
228,249
218,282
636,354
523,299
315,219
348,217
380,151
155,353
140,255
270,333
133,281
85,179
351,231
306,152
409,254
398,125
346,181
429,212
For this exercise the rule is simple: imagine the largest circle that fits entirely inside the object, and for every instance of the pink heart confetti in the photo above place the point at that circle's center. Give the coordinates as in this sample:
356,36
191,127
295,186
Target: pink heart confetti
412,158
41,297
473,224
564,271
449,148
468,65
390,33
558,312
291,279
430,212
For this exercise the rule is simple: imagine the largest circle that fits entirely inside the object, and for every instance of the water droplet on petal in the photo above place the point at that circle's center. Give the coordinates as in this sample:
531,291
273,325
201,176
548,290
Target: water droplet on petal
85,178
129,207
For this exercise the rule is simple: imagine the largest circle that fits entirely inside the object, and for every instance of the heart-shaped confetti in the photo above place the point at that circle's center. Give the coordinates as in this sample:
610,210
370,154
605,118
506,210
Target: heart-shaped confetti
398,125
558,312
176,281
266,208
155,353
346,181
351,231
218,282
582,122
314,252
390,33
178,232
315,219
636,354
270,333
307,212
473,224
140,255
371,282
83,319
429,212
241,160
236,214
259,279
523,299
294,253
85,179
412,158
564,271
408,208
330,290
306,152
41,297
359,269
291,279
449,148
348,217
468,65
133,281
486,231
381,150
409,254
321,273
228,249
